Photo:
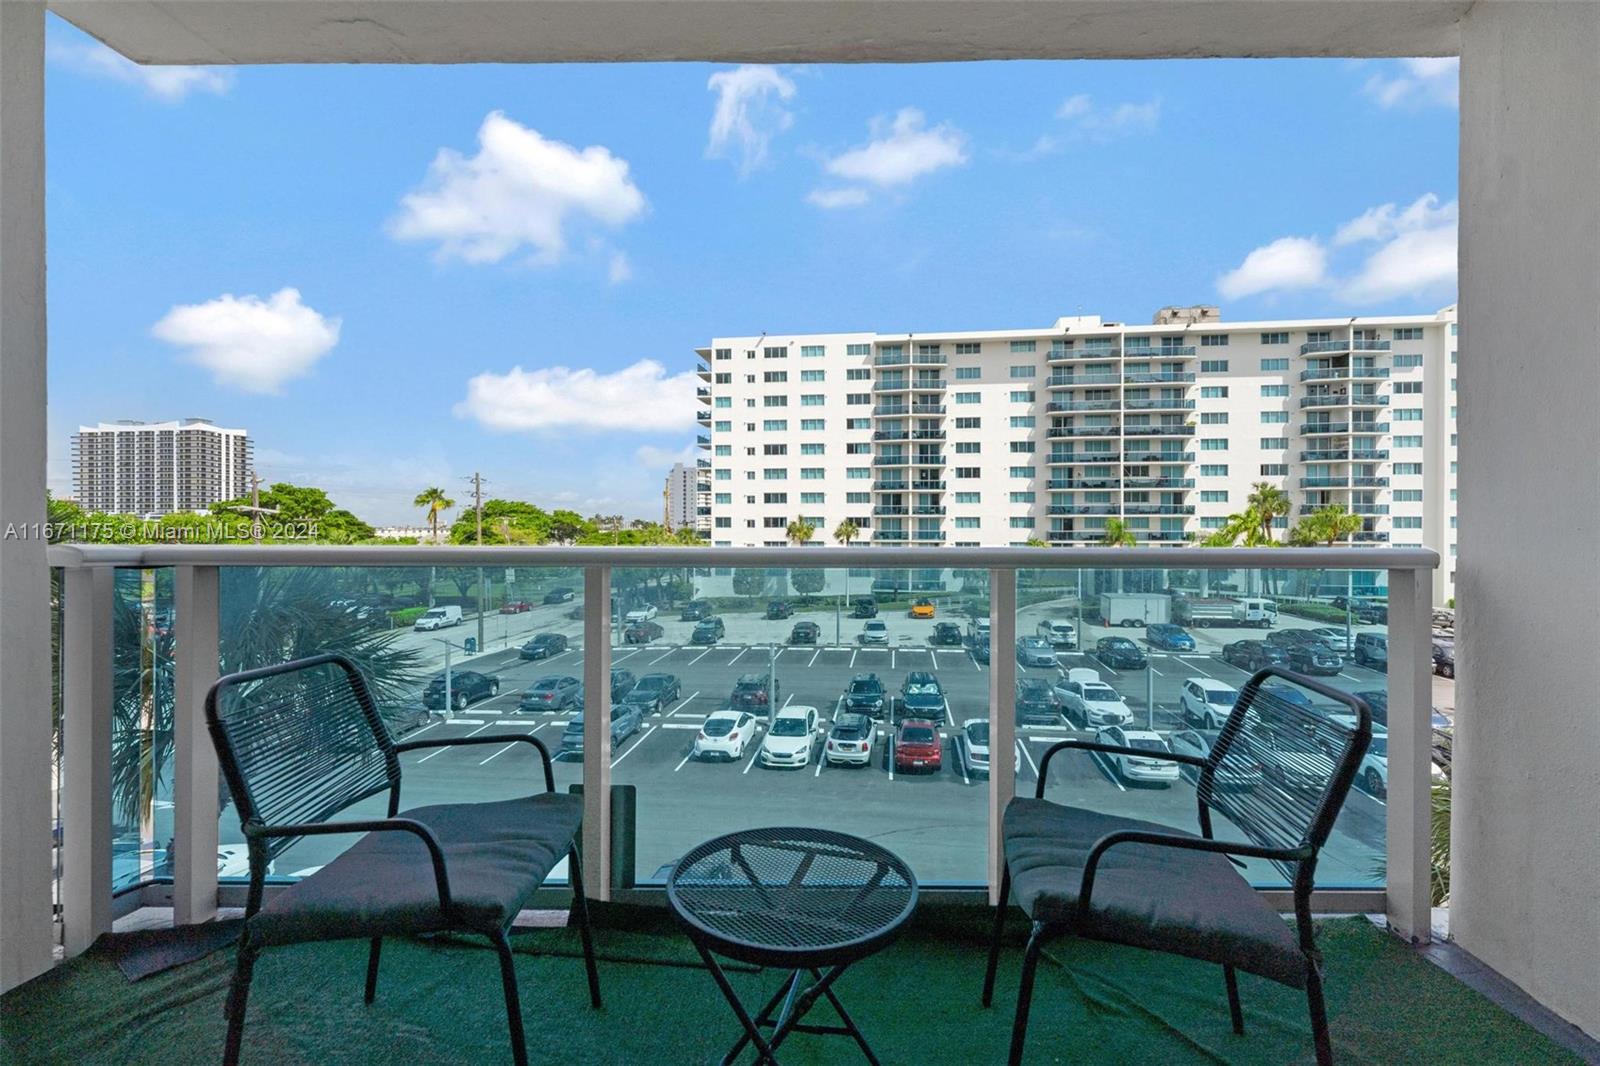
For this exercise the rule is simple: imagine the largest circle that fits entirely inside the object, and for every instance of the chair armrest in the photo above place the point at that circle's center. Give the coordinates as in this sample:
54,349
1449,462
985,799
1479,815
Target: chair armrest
1113,749
1172,840
441,876
499,738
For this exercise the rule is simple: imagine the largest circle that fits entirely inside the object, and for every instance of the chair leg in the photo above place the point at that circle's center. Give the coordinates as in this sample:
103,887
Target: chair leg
1319,1018
1234,1008
994,939
580,905
508,977
1030,962
372,969
234,1007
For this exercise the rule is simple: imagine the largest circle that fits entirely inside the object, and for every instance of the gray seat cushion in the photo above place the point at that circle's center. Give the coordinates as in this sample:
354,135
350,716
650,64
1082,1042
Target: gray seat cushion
1185,902
496,854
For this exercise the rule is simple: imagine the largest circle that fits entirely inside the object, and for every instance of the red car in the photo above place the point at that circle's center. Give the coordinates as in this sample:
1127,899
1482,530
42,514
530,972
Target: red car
917,746
516,607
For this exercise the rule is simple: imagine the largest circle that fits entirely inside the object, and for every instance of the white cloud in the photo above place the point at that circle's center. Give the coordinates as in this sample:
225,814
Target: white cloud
1387,220
1286,263
749,113
620,269
901,150
641,397
652,456
170,84
1103,124
249,343
1413,263
836,198
520,189
1417,83
1075,106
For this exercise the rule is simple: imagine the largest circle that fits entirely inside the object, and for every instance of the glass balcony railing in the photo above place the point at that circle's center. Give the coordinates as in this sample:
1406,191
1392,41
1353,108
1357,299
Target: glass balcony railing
927,408
1340,482
1080,355
883,409
1369,482
1148,377
1358,344
1084,483
889,509
1141,457
1082,509
1158,508
1344,373
1159,404
1072,458
1157,431
1353,399
1071,381
891,486
1158,482
900,359
1082,405
1329,428
1056,432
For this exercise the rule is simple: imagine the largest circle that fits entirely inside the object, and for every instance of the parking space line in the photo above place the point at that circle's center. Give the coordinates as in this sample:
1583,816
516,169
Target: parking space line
702,655
642,737
752,761
1105,768
935,658
891,658
683,700
441,751
676,725
1023,748
631,651
424,729
664,655
1196,666
736,657
975,662
813,661
786,700
507,748
685,761
853,657
1347,677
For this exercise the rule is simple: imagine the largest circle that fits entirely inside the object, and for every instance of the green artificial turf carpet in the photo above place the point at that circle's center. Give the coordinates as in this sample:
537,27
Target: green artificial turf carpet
439,1001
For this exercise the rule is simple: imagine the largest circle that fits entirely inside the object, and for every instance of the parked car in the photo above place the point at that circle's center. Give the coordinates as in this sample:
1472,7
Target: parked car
850,741
917,746
1036,651
1288,757
779,609
466,686
864,607
622,682
641,632
1336,638
543,645
921,609
921,681
1233,775
1205,702
791,738
865,695
945,634
1444,658
694,610
437,618
980,651
640,614
1120,653
875,632
1372,650
1252,655
1288,638
1373,773
1168,637
516,607
754,692
625,722
1058,632
653,692
927,704
1314,657
576,613
558,594
805,633
1036,704
1092,702
1145,768
971,745
553,692
724,735
708,631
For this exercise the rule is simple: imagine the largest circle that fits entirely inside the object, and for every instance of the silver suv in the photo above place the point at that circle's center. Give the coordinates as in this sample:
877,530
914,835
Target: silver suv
1372,649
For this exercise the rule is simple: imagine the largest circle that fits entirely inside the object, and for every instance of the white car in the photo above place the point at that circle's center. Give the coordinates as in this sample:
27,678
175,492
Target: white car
875,632
791,738
1059,632
1206,703
640,614
1093,703
724,735
1150,768
1336,638
850,741
1373,773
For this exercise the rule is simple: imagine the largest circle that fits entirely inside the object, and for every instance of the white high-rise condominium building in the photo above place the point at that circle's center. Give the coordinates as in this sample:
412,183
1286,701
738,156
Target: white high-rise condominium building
683,499
151,468
997,437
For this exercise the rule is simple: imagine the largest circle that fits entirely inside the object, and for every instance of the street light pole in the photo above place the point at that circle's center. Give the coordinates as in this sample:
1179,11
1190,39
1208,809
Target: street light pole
1150,692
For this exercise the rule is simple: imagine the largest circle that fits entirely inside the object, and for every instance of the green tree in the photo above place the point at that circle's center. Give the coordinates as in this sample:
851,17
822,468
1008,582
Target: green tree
807,582
800,531
749,582
1269,503
1117,534
569,527
1326,525
845,532
300,506
1036,542
433,500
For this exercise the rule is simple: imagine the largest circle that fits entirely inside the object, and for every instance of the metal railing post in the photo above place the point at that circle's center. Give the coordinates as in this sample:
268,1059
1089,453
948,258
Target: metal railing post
597,732
1410,792
86,695
1003,738
194,787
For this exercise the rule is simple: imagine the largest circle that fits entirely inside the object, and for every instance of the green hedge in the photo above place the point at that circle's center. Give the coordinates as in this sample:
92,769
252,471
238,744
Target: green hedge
406,615
1316,612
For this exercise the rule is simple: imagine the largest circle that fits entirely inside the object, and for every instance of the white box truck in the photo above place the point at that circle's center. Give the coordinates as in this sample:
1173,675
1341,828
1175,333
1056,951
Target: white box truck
1191,611
1134,608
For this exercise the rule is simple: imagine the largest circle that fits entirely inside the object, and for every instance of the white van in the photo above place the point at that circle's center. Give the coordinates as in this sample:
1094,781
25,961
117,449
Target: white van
438,618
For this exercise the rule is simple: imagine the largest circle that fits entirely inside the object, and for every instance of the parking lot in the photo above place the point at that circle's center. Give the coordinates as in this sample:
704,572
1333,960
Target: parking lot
937,820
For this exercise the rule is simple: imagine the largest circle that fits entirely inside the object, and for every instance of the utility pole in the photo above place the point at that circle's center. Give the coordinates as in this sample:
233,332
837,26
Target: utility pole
255,509
477,513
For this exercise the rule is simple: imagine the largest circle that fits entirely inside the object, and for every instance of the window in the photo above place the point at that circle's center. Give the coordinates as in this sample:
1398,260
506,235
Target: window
1274,418
1022,396
966,471
1022,422
1274,390
775,425
1022,471
811,497
857,497
724,523
968,348
812,399
722,427
1213,495
1213,340
969,422
967,447
1021,447
1408,333
858,423
892,349
1213,418
775,353
1274,469
775,497
1274,338
725,497
1214,444
1407,495
1021,521
724,353
966,523
1408,442
1402,362
1274,444
1407,388
774,522
1214,470
1408,414
775,376
1213,366
813,423
1319,336
857,373
858,473
724,449
858,448
968,397
724,379
858,399
811,449
1023,370
723,474
775,473
1407,521
1403,469
1022,497
722,401
774,401
927,349
1213,392
1023,346
969,497
1274,364
968,373
811,473
858,349
812,375
1213,523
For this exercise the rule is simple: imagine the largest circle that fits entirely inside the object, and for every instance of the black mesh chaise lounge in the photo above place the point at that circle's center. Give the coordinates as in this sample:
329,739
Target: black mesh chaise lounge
302,741
1277,773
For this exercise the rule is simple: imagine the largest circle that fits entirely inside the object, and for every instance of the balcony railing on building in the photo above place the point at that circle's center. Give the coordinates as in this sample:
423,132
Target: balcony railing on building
1349,344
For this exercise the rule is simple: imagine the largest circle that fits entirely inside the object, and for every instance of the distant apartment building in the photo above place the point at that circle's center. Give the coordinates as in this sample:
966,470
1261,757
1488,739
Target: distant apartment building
683,499
150,468
998,437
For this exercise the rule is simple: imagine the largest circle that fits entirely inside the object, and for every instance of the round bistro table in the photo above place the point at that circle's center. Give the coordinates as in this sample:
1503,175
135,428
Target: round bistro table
809,901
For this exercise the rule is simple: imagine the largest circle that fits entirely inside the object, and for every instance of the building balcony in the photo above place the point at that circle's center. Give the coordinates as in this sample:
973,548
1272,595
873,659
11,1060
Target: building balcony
1158,482
1313,429
927,486
1080,355
702,440
1082,509
1359,428
1158,431
891,460
901,359
927,536
1143,457
894,535
927,408
909,385
1369,455
1370,510
703,464
930,359
1371,536
701,392
1369,482
1159,377
891,434
703,417
891,509
1161,536
1158,508
1340,482
1060,432
1352,399
927,509
1159,403
891,409
1072,458
1084,483
1345,373
702,486
1056,406
891,486
1358,344
1073,381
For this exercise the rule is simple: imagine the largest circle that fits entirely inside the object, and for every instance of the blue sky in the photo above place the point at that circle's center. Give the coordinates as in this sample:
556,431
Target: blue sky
393,276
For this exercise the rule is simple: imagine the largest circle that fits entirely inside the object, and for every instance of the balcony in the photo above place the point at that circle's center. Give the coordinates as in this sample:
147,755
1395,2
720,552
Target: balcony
702,392
1142,458
1158,508
1158,431
1069,458
891,486
1055,406
891,434
1369,427
891,509
1369,482
929,359
900,359
1369,455
926,536
1084,483
1082,509
1370,510
702,440
927,408
927,486
1353,399
1158,482
1060,432
1340,482
703,464
1159,403
1080,355
927,434
896,459
1344,373
703,417
898,536
1358,344
1073,381
927,509
1312,429
1326,455
1161,536
1159,377
890,409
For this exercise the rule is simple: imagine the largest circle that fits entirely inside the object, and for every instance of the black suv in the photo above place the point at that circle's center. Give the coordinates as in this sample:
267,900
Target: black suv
752,693
622,682
694,610
946,634
1036,703
1120,653
864,607
779,609
707,631
805,633
865,695
559,594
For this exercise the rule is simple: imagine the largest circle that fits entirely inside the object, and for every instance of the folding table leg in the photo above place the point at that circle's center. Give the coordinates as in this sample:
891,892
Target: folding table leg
849,1023
750,1028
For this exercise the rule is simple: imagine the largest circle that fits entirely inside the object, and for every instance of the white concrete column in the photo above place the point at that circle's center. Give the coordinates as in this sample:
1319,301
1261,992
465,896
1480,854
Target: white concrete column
88,603
194,788
1409,803
1525,869
1002,713
25,726
597,732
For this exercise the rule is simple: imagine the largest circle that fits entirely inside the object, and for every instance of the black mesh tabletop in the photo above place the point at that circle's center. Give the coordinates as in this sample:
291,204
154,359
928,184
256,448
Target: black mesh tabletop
792,897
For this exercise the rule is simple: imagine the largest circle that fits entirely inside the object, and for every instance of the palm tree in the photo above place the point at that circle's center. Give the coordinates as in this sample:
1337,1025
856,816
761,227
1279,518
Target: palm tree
845,532
1269,503
434,500
1326,525
800,531
1117,535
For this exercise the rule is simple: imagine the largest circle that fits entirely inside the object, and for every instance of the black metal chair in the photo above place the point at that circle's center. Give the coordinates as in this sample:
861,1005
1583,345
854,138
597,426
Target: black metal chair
1278,773
302,741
